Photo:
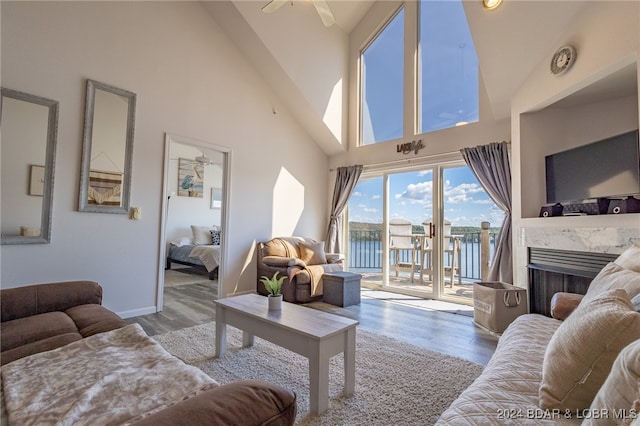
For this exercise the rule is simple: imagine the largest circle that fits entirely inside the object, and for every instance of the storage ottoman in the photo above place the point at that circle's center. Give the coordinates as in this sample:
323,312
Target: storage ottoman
496,305
341,288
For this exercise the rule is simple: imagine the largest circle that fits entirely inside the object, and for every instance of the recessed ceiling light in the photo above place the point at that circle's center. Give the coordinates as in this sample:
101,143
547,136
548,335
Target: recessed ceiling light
491,4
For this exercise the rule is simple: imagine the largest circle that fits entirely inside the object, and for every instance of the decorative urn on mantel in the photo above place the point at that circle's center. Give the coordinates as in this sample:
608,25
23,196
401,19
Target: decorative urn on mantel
273,286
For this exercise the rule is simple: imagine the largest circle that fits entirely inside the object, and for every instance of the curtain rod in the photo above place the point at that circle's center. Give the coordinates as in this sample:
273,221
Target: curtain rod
414,160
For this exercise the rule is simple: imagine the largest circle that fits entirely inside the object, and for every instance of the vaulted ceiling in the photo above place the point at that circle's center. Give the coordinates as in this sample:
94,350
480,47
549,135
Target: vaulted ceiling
289,46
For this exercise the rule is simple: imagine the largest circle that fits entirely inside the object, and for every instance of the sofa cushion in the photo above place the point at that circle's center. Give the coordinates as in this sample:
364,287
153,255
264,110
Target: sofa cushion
282,247
37,299
312,253
620,391
630,258
44,345
581,352
93,319
507,390
614,276
37,327
228,405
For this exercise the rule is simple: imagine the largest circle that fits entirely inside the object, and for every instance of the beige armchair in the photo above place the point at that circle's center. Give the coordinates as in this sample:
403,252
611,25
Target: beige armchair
302,261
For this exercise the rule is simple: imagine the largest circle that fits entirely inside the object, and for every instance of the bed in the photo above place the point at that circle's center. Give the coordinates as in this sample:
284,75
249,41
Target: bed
203,257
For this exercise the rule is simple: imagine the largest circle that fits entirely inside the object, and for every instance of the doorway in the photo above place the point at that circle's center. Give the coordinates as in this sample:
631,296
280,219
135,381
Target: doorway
417,231
194,219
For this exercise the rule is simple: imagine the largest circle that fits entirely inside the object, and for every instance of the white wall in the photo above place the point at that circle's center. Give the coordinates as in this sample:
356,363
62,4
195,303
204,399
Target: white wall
189,80
606,36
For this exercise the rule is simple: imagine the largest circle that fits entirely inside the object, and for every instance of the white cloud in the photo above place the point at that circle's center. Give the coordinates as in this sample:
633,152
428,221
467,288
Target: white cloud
461,193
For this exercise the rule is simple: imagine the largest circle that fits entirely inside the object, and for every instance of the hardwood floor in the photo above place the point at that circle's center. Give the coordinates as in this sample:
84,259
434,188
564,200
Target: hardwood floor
379,312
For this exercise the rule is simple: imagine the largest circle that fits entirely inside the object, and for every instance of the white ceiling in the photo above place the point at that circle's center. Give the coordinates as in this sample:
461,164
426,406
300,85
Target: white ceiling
510,42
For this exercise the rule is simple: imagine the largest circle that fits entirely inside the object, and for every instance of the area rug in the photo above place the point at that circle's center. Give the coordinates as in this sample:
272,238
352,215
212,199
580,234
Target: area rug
396,383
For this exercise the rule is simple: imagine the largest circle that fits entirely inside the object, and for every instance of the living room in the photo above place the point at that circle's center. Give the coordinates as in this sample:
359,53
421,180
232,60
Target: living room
228,75
176,87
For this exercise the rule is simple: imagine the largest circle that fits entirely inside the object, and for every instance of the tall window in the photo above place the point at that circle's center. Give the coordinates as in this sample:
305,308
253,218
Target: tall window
446,86
447,67
382,76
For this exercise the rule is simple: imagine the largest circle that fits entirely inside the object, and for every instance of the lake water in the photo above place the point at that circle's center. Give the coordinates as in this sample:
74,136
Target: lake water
367,255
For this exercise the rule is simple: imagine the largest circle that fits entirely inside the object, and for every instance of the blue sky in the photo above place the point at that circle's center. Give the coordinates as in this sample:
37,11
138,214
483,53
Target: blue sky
410,194
449,84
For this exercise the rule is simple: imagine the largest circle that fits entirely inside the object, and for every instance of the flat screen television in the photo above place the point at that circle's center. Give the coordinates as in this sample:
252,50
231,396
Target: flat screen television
608,168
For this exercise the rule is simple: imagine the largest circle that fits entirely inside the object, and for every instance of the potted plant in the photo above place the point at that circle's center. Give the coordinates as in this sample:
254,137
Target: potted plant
273,286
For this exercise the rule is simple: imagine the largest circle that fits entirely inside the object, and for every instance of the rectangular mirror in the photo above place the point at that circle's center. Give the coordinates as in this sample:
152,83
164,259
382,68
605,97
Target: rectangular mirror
107,149
28,130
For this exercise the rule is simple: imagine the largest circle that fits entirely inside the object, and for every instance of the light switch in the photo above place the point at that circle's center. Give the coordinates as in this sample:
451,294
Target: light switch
136,213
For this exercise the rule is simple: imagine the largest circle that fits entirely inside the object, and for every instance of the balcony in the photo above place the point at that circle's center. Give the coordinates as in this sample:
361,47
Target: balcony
365,257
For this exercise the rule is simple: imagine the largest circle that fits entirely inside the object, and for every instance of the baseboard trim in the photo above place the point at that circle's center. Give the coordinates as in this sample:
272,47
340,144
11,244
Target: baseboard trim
137,312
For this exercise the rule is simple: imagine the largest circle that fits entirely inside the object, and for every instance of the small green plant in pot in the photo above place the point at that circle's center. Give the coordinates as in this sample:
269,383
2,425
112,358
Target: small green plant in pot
273,286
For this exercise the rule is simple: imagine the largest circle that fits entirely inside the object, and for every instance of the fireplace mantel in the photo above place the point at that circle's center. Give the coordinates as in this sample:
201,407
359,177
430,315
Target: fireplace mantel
584,234
593,239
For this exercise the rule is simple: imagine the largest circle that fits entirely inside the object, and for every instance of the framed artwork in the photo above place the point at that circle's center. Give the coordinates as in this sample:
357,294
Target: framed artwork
216,198
36,181
190,178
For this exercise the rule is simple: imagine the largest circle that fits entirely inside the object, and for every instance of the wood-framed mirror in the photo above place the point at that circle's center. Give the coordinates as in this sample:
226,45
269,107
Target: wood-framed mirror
107,149
28,130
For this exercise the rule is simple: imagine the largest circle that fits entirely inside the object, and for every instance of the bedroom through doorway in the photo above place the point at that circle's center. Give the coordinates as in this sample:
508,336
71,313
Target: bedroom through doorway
194,211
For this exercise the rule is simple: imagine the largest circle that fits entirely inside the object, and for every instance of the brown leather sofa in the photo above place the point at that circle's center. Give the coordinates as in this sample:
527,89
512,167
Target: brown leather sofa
302,261
43,317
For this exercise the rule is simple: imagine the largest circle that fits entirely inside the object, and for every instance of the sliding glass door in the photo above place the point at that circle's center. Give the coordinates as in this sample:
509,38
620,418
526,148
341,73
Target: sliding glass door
418,232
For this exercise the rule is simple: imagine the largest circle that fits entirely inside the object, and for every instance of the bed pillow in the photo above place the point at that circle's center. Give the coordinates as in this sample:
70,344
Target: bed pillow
201,234
614,276
184,241
620,391
581,352
215,237
312,253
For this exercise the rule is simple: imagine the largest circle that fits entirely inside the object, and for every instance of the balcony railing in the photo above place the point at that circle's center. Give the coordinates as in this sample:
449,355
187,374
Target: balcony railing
365,252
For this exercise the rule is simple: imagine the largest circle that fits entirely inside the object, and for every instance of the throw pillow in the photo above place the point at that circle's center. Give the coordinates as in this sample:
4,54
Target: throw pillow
215,237
635,301
620,391
582,350
201,234
614,276
312,253
630,258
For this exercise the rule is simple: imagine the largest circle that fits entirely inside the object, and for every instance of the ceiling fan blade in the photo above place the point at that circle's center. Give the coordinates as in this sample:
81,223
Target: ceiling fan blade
274,5
325,12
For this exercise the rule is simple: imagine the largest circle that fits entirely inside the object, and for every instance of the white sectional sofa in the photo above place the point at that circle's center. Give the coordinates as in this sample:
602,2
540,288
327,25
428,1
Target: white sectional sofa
582,368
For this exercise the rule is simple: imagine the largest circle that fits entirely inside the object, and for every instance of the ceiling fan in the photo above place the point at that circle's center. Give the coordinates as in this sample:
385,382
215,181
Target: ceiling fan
321,6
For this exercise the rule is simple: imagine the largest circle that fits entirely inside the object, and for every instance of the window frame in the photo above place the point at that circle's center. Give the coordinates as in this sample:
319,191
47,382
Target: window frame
374,23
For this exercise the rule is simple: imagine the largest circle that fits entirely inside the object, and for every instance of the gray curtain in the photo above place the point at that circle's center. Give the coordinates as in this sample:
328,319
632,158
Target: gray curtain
346,180
490,164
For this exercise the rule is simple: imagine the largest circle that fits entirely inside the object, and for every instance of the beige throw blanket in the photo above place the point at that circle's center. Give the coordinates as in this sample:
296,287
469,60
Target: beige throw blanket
107,379
209,255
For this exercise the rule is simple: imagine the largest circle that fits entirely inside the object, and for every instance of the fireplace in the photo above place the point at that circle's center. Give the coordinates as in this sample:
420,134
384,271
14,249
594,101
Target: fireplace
551,271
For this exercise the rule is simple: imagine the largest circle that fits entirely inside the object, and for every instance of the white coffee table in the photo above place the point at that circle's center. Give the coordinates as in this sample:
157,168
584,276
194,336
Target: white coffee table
314,334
